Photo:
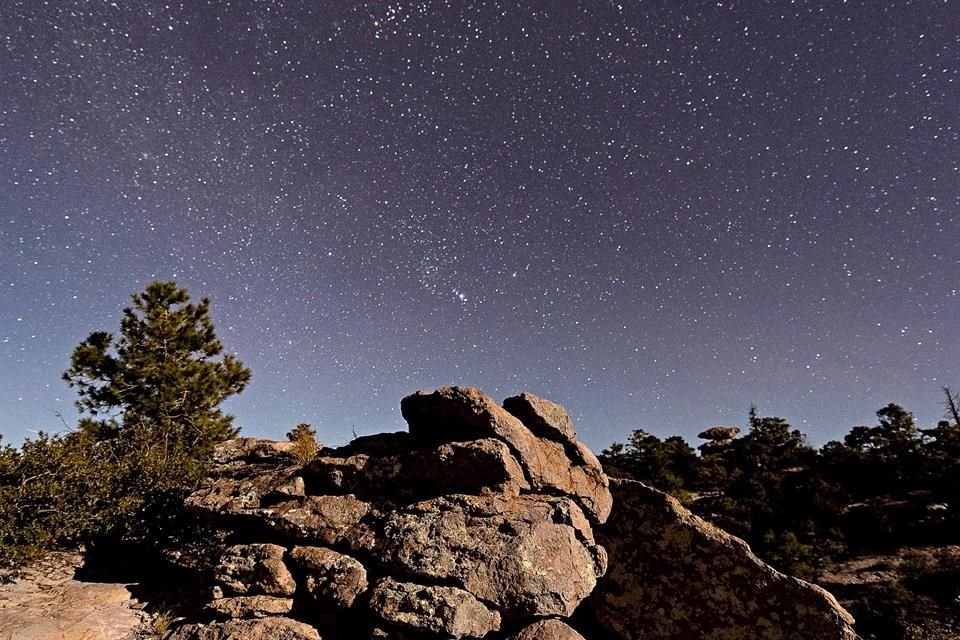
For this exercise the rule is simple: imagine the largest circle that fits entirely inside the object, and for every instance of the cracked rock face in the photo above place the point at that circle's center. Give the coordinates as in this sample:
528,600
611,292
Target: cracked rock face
524,555
334,580
479,521
456,413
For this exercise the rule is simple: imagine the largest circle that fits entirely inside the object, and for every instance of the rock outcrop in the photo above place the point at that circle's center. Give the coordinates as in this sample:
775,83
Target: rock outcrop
717,438
478,520
675,576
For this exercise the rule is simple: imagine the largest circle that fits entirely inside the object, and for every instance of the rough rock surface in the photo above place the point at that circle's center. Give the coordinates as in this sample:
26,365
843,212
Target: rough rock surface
550,629
251,606
478,466
535,562
546,419
459,413
48,603
472,517
447,611
324,520
675,576
255,569
247,473
264,629
333,579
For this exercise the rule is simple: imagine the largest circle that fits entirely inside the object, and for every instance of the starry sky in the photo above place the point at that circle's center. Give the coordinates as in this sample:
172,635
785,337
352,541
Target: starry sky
655,212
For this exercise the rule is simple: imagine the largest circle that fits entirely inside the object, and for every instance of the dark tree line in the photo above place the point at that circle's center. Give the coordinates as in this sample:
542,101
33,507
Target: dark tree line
882,488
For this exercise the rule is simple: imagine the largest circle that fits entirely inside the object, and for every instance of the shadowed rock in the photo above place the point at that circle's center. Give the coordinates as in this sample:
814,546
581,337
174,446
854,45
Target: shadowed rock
675,576
448,611
544,418
247,474
255,569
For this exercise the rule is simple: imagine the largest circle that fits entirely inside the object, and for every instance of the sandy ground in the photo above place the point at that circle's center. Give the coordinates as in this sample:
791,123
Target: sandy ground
48,603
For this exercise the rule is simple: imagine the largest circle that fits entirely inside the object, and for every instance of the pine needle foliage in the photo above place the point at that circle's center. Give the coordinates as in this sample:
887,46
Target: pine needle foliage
151,403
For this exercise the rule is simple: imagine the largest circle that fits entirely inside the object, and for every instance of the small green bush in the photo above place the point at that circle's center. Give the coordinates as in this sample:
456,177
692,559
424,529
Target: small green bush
304,439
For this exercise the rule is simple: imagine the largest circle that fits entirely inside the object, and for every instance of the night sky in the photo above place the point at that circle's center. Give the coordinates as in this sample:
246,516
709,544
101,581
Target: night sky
654,212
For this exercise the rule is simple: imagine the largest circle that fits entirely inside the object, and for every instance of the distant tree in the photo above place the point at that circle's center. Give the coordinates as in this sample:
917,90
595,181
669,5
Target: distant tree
942,452
952,406
769,493
881,459
668,465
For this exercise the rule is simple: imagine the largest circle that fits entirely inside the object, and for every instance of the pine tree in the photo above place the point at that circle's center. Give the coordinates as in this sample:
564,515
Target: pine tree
165,376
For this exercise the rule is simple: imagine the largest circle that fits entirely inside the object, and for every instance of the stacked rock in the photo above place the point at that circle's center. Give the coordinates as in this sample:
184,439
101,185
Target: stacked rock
478,520
717,438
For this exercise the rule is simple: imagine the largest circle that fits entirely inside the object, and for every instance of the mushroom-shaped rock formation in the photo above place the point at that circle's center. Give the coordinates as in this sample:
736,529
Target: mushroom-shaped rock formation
719,433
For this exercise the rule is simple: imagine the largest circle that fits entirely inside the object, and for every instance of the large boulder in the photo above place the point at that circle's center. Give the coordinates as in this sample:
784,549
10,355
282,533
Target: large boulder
334,580
452,414
322,520
530,556
447,611
544,418
675,576
255,569
477,466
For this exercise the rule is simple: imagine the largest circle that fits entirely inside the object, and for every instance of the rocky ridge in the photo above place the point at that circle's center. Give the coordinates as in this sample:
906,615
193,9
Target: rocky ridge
481,520
478,520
